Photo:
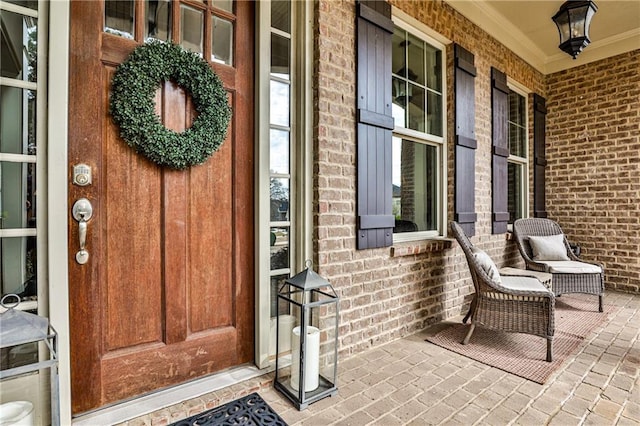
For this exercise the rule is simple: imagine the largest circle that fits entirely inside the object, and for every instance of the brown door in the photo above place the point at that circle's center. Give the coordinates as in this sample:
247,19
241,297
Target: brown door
167,293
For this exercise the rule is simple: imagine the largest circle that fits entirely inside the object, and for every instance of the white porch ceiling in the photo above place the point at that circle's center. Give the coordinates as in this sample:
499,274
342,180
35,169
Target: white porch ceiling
525,27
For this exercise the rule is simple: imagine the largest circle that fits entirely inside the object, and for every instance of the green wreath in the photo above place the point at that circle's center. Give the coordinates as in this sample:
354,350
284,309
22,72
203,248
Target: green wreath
132,105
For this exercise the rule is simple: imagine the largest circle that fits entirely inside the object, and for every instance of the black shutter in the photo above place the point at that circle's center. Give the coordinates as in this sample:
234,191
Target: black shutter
374,120
539,156
465,157
500,150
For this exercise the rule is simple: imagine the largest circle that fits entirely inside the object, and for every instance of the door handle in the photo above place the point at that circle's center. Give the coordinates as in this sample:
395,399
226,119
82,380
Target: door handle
82,212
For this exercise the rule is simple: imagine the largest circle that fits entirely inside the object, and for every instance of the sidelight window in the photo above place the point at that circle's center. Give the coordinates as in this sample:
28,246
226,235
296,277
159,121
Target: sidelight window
283,140
280,139
21,161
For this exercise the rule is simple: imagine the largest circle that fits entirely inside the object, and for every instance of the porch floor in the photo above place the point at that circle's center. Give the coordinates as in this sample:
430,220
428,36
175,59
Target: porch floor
413,382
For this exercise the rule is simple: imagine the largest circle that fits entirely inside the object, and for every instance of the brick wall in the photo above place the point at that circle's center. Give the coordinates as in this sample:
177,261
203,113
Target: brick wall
393,292
593,171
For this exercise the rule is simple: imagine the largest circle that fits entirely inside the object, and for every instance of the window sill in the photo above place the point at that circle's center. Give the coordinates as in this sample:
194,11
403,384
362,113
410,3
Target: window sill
411,248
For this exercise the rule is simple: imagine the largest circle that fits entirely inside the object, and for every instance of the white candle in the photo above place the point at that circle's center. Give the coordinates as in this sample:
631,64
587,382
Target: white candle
286,325
311,358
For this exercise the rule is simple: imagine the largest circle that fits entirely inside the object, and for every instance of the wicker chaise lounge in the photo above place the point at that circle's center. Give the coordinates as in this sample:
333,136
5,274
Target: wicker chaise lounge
535,240
514,304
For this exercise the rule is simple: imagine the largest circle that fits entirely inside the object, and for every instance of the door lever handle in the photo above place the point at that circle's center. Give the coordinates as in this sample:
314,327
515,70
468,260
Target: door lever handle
82,232
82,212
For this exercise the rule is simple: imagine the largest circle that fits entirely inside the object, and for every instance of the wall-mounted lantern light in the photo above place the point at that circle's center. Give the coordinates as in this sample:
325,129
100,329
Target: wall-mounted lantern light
573,20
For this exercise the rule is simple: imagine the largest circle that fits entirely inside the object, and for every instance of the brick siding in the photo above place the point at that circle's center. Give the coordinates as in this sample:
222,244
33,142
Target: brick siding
593,171
393,292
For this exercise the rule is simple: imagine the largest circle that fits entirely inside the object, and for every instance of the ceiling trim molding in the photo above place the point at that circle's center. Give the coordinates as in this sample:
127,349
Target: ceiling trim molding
497,26
601,49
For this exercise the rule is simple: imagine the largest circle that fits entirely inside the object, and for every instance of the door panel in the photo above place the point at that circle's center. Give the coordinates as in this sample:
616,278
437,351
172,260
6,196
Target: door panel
167,293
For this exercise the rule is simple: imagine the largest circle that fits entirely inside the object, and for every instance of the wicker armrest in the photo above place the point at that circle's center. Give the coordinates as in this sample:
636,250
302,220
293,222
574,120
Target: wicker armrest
524,286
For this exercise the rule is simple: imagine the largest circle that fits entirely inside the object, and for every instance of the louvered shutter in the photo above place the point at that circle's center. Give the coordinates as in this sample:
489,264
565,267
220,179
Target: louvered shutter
375,220
465,140
500,151
539,156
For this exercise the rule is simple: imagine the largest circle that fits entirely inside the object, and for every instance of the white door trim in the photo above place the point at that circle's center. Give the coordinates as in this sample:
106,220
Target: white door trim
56,238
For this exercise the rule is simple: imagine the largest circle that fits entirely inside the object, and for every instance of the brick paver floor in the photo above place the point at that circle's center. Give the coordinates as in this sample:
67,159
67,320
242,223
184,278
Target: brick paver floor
413,382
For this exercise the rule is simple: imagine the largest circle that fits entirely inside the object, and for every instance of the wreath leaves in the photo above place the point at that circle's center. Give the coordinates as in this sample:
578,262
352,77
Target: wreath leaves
132,105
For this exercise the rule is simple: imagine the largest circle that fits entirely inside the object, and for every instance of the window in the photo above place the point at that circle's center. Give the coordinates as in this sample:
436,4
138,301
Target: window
517,162
284,141
418,172
195,20
22,151
280,149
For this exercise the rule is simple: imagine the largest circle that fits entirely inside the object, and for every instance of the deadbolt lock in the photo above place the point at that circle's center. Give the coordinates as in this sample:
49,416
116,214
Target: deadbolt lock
82,174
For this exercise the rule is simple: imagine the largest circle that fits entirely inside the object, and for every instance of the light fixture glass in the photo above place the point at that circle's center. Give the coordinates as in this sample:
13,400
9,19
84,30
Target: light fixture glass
573,20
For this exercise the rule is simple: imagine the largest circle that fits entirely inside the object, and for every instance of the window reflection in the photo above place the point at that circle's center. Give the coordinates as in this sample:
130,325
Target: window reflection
277,282
279,248
434,113
191,26
17,109
279,103
434,67
416,110
18,45
279,155
415,183
281,15
517,162
222,41
158,22
17,195
118,17
18,260
399,106
514,198
18,267
280,56
279,190
416,71
517,125
31,4
416,84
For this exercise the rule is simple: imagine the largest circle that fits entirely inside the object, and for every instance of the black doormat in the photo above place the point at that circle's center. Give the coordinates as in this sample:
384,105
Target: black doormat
249,410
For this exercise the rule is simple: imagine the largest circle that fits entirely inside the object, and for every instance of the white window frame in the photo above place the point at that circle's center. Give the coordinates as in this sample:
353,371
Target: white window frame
418,29
522,161
301,160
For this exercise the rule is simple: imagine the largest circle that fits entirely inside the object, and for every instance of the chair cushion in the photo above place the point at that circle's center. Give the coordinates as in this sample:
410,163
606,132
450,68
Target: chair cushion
484,261
523,284
549,247
572,267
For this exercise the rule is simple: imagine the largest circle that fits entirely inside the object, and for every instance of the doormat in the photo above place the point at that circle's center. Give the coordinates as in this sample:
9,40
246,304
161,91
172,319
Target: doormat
524,354
248,410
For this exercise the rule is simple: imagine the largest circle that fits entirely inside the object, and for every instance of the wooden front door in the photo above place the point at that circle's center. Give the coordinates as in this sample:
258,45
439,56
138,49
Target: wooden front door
167,293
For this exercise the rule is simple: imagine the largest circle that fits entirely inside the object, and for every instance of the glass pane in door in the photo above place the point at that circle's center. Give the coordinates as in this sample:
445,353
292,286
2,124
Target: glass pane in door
18,45
17,121
18,267
158,22
119,17
17,195
191,26
222,41
279,199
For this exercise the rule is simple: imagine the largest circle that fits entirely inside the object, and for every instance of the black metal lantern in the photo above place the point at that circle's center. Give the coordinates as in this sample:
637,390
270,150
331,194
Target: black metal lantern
308,372
573,20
